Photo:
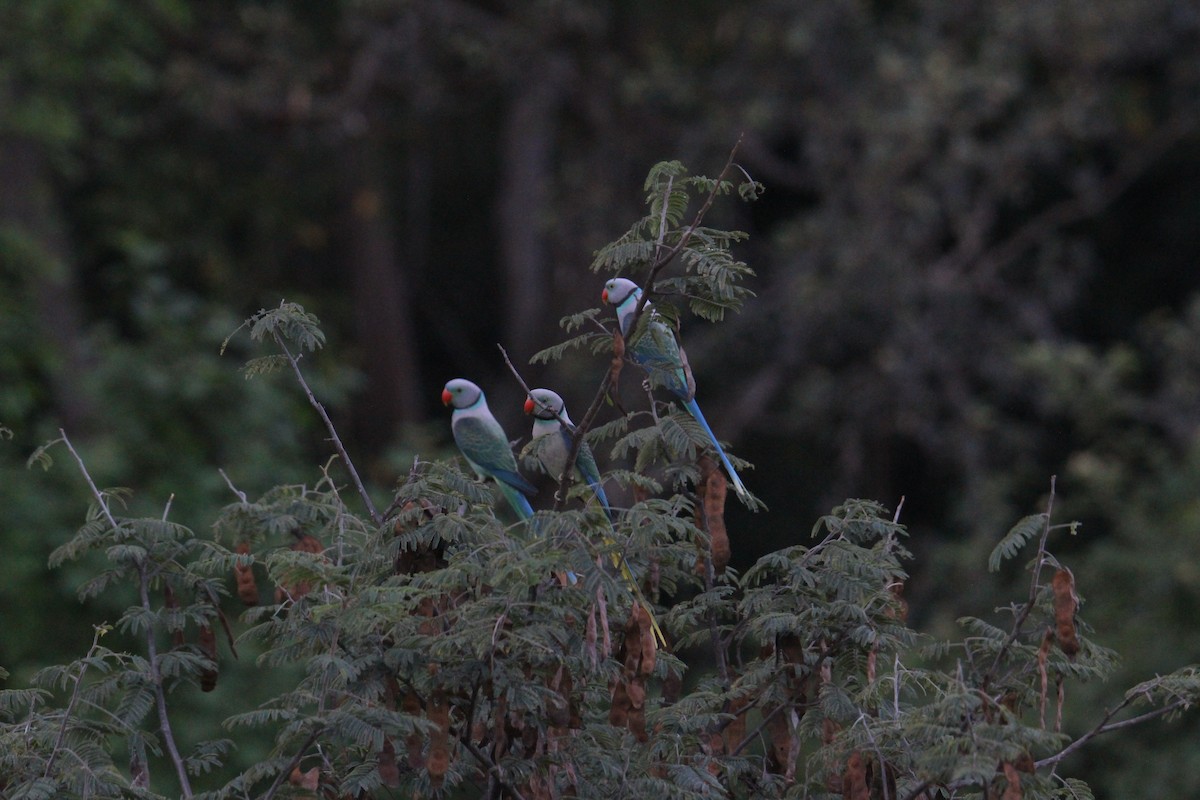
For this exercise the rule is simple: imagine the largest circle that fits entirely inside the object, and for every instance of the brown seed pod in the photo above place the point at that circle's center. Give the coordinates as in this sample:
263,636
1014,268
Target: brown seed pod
247,589
1012,791
1066,602
310,779
712,491
304,544
854,780
438,763
208,645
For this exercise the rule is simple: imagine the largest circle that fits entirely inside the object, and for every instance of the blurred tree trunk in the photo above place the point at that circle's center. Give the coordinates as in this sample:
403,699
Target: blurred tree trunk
30,211
380,281
525,201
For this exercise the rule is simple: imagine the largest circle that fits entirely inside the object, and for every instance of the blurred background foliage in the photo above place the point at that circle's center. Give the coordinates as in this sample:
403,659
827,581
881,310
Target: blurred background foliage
977,265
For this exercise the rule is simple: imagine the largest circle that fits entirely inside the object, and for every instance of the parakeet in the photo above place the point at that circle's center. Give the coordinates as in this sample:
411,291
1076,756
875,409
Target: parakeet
656,350
482,442
550,419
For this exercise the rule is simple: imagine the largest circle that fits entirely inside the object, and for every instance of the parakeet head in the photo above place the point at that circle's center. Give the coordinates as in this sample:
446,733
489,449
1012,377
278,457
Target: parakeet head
618,290
461,393
544,404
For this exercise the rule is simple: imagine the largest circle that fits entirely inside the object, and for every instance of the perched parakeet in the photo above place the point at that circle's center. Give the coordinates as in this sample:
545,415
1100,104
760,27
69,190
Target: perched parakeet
657,350
482,442
550,419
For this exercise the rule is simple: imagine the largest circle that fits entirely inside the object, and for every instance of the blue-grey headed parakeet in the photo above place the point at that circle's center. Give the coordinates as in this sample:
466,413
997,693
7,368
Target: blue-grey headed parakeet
482,442
550,420
656,349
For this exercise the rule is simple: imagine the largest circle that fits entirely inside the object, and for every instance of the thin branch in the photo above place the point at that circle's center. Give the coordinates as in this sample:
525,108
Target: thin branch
160,697
749,737
91,484
493,769
333,434
238,492
291,765
62,729
164,721
610,380
1104,726
563,480
1034,585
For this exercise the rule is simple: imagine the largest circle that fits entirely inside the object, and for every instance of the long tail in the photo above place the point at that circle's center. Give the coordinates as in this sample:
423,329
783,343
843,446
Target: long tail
622,567
598,490
738,486
517,500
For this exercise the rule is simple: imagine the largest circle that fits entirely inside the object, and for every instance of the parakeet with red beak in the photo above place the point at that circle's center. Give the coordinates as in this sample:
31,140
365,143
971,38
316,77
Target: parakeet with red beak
482,442
657,350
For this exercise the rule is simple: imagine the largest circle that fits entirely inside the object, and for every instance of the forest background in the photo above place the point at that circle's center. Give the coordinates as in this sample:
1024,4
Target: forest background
976,262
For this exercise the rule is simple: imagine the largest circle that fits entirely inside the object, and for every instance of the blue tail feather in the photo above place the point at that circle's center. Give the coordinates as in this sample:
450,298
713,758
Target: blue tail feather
517,500
738,486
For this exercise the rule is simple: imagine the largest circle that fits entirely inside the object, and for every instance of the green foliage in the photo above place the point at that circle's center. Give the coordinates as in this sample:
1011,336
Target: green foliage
712,279
434,650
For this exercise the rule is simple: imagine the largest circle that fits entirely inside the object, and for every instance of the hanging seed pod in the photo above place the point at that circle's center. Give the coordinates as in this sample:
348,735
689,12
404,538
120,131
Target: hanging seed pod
1012,791
637,655
438,763
208,646
854,779
295,591
1066,602
618,359
247,589
310,779
389,770
711,491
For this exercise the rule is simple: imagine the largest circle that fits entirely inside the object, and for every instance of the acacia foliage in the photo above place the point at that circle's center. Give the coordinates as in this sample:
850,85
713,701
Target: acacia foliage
442,651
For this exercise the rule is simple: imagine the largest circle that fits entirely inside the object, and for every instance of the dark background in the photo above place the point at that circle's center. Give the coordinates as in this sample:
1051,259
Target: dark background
976,268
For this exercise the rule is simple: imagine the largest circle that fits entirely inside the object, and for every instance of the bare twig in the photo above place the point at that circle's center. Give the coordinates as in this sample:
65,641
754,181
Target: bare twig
333,434
1104,726
758,729
238,492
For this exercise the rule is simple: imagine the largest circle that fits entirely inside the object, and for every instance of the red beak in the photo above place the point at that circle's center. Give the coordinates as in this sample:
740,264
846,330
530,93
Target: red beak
604,296
446,397
529,405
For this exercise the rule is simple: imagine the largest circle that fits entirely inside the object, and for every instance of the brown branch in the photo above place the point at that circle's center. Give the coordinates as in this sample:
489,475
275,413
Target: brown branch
1104,726
333,434
291,765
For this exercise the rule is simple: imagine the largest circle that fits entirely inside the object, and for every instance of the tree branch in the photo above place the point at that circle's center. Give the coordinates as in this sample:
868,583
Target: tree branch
333,434
160,697
1034,585
1104,726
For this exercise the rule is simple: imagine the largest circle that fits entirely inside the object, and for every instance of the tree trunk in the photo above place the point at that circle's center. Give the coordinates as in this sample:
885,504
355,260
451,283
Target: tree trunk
30,212
380,282
525,202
